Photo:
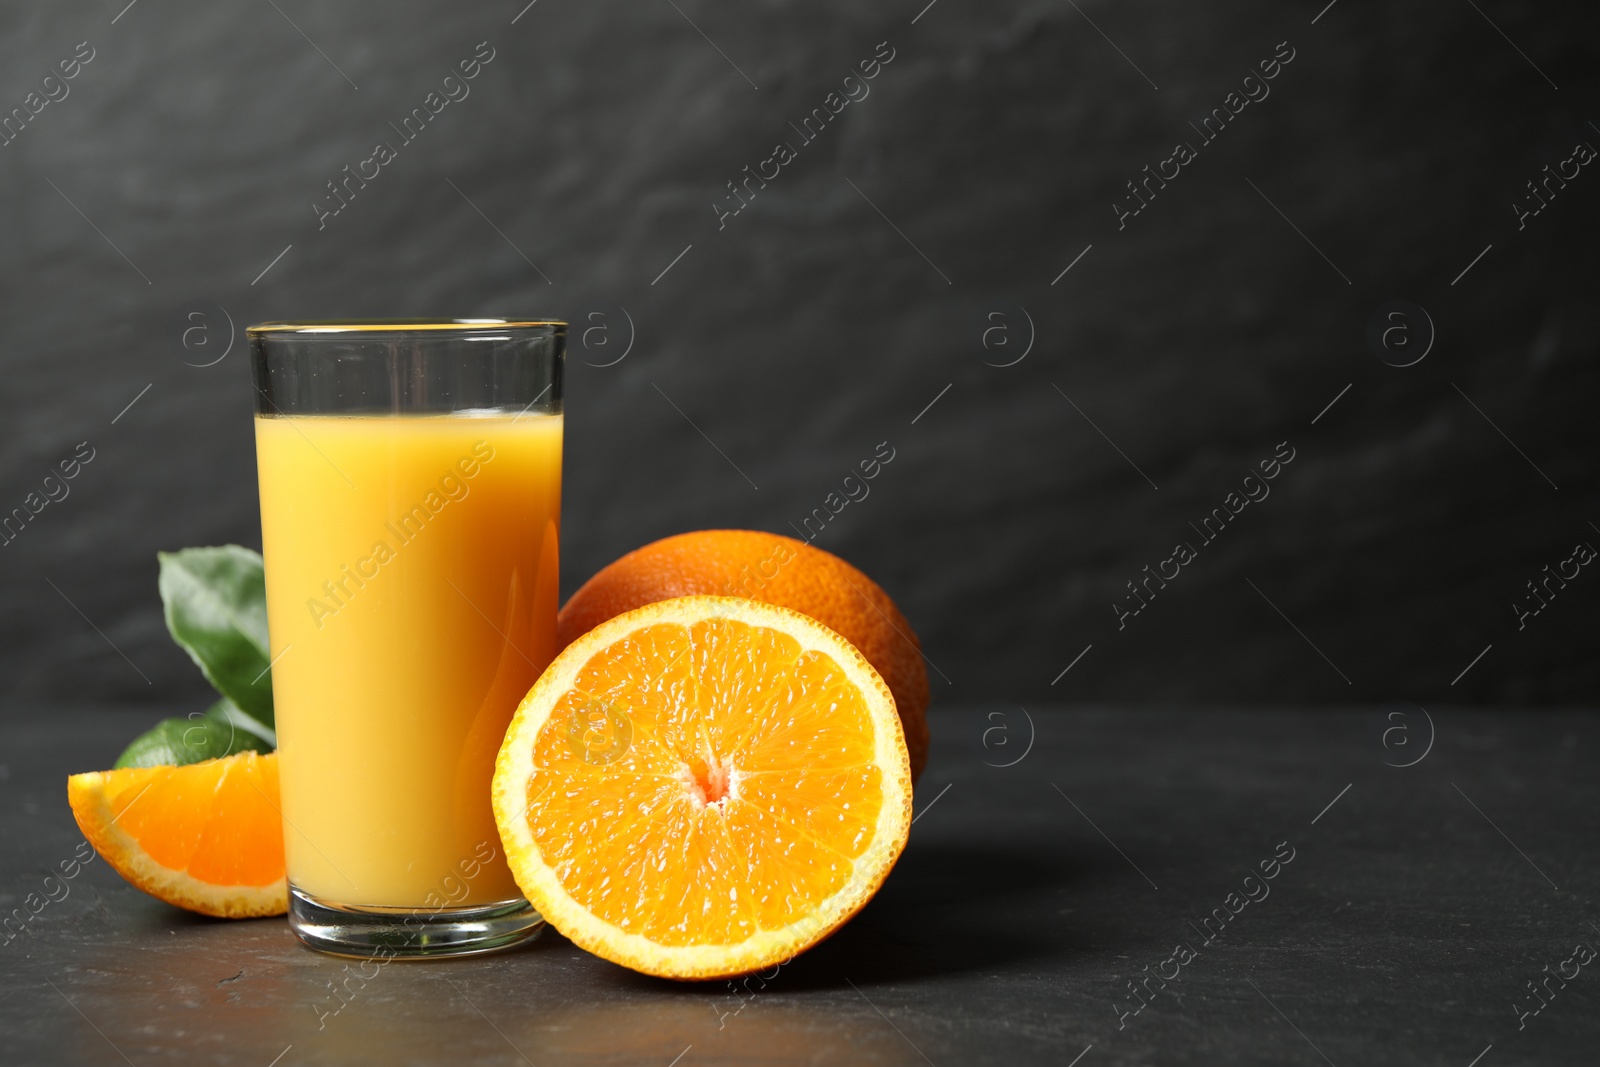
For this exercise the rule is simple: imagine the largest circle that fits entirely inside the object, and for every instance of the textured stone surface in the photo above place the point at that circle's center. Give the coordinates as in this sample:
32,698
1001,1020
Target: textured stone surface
1401,932
809,329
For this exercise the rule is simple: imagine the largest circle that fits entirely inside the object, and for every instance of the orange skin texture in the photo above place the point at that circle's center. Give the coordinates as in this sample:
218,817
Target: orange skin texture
776,570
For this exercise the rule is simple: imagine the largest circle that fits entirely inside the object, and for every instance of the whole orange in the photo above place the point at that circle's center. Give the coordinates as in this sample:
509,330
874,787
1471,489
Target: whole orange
777,570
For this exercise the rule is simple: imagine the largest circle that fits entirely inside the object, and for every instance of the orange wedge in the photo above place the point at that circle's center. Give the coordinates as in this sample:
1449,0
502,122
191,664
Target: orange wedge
704,787
207,837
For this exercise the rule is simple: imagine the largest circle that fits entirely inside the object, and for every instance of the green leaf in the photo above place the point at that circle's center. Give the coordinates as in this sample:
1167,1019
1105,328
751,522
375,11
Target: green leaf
226,711
176,742
215,601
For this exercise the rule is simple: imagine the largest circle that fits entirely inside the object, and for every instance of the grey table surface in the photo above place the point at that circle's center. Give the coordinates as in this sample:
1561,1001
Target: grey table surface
1419,903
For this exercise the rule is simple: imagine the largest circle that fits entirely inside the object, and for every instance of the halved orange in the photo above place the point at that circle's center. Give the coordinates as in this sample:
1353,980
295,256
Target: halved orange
207,837
777,570
703,787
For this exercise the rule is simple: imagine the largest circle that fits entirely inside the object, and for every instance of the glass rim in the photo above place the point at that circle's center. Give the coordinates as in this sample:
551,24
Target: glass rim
337,326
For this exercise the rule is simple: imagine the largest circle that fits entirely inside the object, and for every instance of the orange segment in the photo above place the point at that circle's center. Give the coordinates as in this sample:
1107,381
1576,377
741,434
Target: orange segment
704,787
207,837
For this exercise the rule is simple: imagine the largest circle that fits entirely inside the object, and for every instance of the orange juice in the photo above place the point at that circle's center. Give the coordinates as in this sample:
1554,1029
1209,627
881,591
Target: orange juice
411,598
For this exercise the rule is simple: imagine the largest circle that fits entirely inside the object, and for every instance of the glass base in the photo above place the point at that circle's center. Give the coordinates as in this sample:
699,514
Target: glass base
405,933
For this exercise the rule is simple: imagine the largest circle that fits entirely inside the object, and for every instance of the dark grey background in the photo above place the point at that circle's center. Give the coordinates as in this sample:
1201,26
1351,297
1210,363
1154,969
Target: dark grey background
809,329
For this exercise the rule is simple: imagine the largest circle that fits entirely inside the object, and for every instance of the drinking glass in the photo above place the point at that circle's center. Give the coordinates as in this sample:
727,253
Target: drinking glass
410,476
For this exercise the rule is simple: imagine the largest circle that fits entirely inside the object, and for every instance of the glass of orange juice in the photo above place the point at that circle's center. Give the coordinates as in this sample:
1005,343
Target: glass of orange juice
410,476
